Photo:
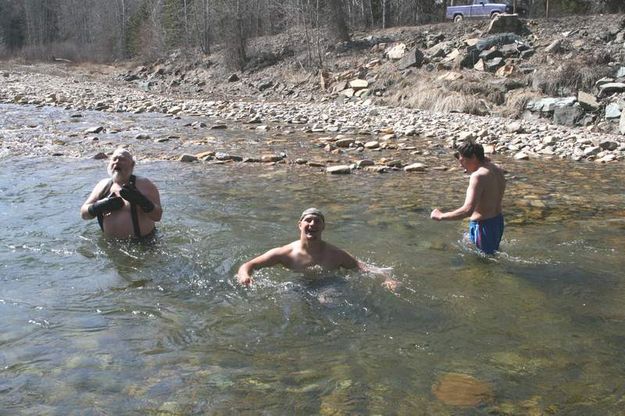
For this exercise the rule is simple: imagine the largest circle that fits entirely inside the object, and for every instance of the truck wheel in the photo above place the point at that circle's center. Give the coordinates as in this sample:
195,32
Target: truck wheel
458,18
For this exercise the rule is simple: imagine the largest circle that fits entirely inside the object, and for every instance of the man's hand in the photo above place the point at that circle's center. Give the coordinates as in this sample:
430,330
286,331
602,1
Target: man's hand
244,280
391,284
436,214
105,205
136,197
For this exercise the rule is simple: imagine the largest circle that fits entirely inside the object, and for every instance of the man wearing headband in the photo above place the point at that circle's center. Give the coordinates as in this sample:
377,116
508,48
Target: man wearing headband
126,206
309,251
483,201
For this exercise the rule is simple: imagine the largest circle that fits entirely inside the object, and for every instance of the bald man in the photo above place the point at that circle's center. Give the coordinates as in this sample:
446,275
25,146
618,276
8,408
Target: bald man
126,206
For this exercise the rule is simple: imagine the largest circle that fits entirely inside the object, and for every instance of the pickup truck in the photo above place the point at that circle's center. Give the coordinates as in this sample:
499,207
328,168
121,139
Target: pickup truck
479,8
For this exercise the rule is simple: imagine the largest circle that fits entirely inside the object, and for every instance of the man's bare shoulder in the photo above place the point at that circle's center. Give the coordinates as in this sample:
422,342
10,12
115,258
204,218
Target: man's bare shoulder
332,249
285,251
143,181
102,184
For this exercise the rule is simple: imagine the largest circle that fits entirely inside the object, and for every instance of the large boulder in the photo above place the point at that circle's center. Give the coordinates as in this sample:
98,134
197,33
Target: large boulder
507,23
396,51
472,55
568,116
587,101
413,57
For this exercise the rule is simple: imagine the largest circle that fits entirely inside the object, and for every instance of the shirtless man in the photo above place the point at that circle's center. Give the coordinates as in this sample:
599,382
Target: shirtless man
126,206
483,202
307,252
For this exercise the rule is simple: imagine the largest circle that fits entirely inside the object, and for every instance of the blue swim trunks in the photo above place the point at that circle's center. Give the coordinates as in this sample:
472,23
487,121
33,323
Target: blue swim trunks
486,234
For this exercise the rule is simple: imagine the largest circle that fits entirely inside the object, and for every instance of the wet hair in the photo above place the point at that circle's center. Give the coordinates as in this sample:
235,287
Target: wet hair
469,150
312,211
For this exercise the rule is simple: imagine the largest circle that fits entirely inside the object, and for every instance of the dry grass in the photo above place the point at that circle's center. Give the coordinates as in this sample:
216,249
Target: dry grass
425,95
516,101
568,78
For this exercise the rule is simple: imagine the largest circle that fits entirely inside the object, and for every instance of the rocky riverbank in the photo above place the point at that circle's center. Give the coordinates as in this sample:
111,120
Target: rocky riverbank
342,136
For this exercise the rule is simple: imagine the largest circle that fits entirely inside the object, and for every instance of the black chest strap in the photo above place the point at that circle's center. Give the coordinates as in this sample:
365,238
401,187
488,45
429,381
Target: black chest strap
134,215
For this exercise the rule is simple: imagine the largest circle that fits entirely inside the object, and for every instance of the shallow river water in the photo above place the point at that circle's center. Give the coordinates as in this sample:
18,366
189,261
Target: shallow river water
92,326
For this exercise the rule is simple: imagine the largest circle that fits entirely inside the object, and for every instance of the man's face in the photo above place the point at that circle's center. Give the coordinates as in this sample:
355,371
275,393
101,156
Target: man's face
470,164
121,166
311,226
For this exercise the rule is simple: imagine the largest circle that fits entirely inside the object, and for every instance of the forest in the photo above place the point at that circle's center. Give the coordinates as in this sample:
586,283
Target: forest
109,31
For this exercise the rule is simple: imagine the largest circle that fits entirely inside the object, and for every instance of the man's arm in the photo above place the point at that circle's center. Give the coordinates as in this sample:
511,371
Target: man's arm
350,262
93,197
474,191
150,191
268,259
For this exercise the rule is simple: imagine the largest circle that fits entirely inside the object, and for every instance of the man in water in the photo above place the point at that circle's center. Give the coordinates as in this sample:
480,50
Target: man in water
483,202
126,206
309,252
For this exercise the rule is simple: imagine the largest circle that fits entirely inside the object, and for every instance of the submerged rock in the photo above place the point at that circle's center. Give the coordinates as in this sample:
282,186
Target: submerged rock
458,389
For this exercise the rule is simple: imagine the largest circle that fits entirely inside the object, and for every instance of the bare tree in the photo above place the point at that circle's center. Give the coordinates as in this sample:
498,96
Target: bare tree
338,26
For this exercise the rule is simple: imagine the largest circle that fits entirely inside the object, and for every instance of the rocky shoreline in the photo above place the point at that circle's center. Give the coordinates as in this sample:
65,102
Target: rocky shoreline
347,136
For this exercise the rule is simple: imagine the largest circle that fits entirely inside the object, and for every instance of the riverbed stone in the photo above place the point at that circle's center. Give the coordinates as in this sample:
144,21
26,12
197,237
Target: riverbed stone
271,158
457,389
346,142
339,169
94,130
521,156
364,163
376,169
187,158
415,167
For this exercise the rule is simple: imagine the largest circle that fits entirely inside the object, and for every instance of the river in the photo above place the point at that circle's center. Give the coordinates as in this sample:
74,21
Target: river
93,326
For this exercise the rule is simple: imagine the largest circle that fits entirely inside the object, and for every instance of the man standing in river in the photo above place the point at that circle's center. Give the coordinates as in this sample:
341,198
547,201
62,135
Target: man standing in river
308,253
126,206
483,201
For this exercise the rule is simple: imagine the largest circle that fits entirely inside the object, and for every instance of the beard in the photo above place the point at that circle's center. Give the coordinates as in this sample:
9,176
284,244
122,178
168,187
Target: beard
116,175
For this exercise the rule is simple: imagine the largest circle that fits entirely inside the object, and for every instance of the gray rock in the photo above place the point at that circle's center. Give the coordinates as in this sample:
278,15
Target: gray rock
344,143
364,163
567,116
611,88
143,136
587,101
339,169
413,57
608,145
507,23
187,158
592,151
612,111
622,123
225,156
94,130
415,167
